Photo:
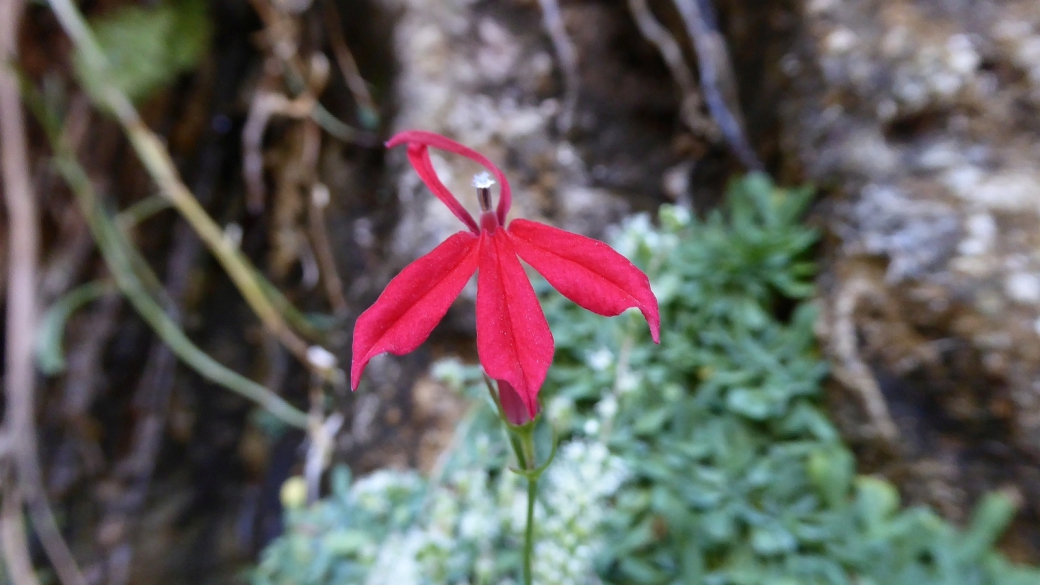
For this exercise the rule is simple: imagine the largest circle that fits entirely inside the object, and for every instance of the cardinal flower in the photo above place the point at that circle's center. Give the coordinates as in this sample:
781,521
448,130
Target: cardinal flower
514,343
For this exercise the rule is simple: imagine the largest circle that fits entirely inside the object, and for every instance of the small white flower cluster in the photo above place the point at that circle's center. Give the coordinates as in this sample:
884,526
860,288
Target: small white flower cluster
638,233
575,499
634,234
601,359
396,563
464,523
475,517
375,492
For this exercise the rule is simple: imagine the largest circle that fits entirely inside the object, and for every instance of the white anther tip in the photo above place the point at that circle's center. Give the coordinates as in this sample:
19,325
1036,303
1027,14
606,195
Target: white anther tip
483,180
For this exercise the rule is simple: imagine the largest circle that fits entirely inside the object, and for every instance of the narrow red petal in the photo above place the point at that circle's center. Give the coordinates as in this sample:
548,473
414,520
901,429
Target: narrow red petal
586,271
419,156
513,340
414,302
505,197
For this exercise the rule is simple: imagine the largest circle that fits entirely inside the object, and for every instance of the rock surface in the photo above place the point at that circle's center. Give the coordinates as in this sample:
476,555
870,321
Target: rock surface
921,118
486,75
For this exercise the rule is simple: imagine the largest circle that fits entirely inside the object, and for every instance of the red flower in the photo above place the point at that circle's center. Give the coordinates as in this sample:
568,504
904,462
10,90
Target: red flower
513,340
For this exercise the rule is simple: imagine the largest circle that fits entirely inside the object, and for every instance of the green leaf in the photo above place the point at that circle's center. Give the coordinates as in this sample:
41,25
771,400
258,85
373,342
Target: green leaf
753,404
145,48
50,353
772,539
876,501
640,571
991,518
831,469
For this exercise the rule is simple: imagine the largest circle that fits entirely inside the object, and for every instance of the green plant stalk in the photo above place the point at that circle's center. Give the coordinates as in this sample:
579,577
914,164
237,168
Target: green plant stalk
160,167
157,161
527,441
527,456
521,438
118,254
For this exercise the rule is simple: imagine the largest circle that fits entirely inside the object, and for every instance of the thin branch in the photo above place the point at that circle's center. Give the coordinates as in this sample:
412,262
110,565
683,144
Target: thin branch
666,44
671,52
849,368
368,113
23,248
17,562
319,200
265,104
718,82
284,47
568,56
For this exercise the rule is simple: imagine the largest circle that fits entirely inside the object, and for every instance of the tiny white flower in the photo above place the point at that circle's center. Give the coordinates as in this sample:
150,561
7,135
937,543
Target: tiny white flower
601,359
591,427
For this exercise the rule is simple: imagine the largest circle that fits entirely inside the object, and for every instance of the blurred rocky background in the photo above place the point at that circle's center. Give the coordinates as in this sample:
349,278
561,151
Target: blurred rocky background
917,120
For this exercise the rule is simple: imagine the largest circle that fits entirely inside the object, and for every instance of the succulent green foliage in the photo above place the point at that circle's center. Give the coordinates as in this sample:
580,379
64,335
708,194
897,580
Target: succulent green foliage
464,525
705,460
338,539
146,48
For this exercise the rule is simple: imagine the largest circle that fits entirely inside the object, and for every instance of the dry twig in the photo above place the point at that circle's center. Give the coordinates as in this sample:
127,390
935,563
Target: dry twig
671,52
17,562
20,422
850,369
718,82
279,30
319,200
568,57
368,113
265,104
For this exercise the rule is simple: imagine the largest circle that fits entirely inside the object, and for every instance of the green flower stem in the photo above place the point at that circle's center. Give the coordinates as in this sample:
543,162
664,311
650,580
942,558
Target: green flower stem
521,438
523,444
532,489
527,444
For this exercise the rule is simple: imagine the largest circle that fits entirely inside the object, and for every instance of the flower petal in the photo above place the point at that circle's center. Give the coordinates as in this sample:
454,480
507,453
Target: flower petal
422,138
513,340
419,156
586,271
513,406
414,302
